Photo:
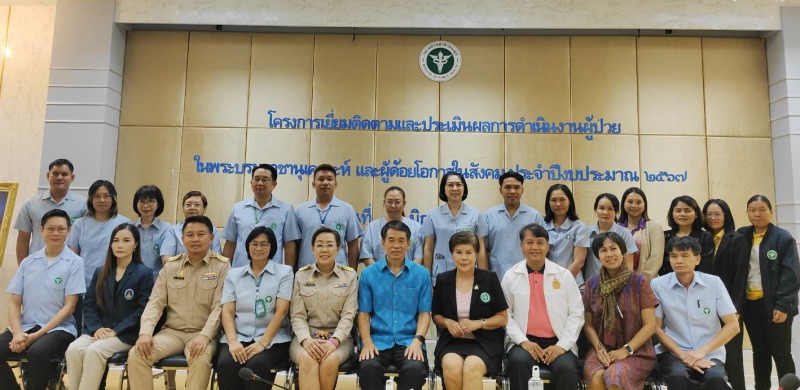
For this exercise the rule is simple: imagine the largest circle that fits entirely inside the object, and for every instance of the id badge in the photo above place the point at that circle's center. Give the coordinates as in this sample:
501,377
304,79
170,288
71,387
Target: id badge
261,308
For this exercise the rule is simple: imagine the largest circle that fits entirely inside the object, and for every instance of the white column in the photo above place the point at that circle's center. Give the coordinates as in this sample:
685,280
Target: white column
783,58
83,100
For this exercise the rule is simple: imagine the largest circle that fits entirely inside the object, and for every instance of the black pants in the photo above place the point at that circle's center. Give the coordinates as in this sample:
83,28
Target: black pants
412,373
678,376
261,364
770,341
41,369
564,369
734,361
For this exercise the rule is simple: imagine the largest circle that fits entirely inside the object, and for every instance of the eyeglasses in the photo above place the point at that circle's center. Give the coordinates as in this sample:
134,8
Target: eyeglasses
393,203
51,230
261,245
264,180
147,202
715,215
101,196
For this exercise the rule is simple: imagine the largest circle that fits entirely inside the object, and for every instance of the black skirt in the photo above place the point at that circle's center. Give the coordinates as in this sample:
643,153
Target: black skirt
470,347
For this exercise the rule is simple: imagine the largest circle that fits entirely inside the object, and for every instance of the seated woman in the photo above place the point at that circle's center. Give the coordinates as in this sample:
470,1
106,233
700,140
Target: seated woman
112,309
255,302
620,320
470,308
44,292
324,303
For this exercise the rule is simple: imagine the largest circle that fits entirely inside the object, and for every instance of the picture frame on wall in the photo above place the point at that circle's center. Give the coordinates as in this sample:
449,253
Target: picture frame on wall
8,194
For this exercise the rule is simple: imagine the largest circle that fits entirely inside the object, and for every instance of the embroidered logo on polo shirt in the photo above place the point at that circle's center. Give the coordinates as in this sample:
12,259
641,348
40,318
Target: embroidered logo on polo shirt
485,297
772,255
273,226
58,280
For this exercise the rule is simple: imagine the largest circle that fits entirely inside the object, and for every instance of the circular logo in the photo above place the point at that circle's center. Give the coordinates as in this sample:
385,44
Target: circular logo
156,247
128,294
58,280
273,226
772,255
485,297
440,60
706,311
569,237
268,299
338,227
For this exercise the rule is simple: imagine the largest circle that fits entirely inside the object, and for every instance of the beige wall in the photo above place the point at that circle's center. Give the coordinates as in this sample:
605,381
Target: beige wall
693,105
22,106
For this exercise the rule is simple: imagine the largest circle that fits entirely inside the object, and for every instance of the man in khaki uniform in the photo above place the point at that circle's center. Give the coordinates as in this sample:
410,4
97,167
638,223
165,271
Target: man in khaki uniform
189,287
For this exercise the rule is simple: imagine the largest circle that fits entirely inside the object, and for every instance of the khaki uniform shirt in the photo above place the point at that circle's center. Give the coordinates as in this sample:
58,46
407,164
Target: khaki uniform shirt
320,303
190,293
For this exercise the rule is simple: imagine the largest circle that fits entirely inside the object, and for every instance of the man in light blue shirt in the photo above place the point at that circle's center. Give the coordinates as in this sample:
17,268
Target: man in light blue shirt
59,175
692,343
327,210
262,210
394,304
502,224
44,294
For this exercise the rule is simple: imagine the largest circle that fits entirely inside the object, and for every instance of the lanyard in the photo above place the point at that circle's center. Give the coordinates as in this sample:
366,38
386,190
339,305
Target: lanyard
256,216
258,283
323,215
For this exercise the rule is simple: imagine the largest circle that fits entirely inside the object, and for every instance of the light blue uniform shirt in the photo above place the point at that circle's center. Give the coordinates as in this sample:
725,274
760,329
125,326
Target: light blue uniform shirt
563,241
441,225
43,288
91,238
394,302
339,216
691,316
152,238
371,242
173,241
243,287
246,215
30,216
592,266
502,235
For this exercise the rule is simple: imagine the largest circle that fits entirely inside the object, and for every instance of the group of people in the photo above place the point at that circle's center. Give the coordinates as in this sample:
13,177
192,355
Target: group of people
538,290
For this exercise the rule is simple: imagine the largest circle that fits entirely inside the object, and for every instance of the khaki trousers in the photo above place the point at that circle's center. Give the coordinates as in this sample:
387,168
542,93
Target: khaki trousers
86,360
170,342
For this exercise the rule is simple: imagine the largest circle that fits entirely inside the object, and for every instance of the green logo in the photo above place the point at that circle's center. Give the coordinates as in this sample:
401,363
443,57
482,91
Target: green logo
706,311
268,299
58,280
273,226
485,297
338,227
440,60
772,255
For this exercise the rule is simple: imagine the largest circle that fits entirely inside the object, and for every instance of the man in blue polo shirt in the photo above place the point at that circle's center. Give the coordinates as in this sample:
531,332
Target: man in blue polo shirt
692,342
394,304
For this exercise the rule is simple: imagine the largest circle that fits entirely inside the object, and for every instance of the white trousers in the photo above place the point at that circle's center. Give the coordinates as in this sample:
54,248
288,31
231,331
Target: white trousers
86,360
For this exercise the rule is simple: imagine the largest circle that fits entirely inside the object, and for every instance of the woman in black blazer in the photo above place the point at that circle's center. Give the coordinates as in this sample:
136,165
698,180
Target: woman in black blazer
685,219
731,254
471,310
773,280
112,308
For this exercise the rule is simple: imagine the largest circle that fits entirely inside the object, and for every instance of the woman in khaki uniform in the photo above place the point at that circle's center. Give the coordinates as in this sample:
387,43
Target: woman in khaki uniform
324,303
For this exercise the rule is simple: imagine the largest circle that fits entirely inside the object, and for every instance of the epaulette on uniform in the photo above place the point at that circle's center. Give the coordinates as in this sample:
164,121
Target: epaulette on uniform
345,267
305,268
176,257
220,257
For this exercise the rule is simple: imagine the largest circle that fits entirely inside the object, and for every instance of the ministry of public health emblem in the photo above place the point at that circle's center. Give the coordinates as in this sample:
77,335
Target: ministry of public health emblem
440,60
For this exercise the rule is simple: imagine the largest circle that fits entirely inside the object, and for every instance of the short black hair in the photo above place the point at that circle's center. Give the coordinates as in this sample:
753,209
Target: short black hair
760,198
257,231
536,230
324,167
571,212
269,167
599,239
59,162
199,219
511,175
56,213
325,229
148,192
685,243
611,198
443,184
464,238
111,191
395,225
689,201
623,215
728,225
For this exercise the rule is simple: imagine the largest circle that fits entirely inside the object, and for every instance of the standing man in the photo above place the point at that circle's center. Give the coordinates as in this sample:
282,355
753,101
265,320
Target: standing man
262,210
394,305
59,175
327,210
189,289
692,342
502,224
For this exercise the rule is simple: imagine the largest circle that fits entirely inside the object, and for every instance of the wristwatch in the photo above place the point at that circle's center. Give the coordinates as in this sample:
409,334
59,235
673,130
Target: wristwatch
483,323
629,349
421,338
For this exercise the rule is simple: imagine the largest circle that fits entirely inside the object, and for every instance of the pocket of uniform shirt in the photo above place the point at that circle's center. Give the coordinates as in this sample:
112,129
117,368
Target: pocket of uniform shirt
339,296
57,282
309,297
176,288
206,290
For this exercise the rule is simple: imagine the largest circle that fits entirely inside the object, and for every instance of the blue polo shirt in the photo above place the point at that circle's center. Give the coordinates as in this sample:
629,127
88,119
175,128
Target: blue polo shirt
441,225
564,239
592,266
44,287
691,315
502,234
242,286
173,241
246,215
394,302
30,215
338,215
152,238
91,238
371,242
